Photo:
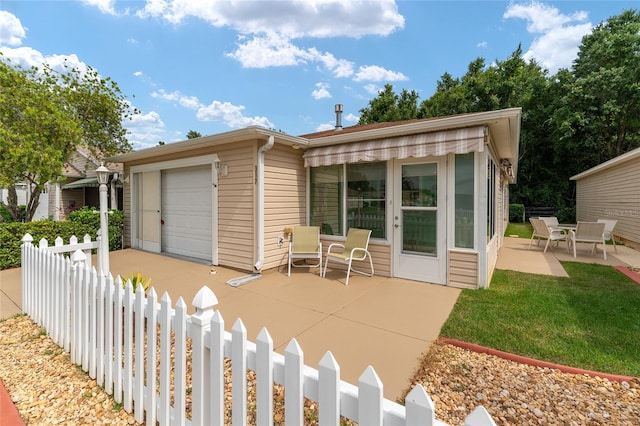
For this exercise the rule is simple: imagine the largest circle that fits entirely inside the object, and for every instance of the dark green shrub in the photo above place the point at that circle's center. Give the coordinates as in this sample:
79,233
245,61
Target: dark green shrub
516,213
567,215
84,222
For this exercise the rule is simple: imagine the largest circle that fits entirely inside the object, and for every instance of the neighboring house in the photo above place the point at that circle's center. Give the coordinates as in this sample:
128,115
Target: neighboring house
79,186
23,192
611,190
434,192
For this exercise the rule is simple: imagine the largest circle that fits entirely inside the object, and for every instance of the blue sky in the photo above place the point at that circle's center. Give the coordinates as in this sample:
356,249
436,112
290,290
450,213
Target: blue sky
217,66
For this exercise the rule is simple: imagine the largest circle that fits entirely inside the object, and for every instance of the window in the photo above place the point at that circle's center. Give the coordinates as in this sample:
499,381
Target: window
464,196
364,203
491,198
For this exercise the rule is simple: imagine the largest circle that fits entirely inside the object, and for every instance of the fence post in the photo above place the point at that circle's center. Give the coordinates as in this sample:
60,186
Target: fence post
239,373
479,417
77,259
370,398
293,383
264,378
27,272
204,301
329,390
420,407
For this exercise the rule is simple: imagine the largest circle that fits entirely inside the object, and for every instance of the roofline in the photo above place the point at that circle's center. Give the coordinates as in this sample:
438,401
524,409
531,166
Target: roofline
607,164
210,140
432,125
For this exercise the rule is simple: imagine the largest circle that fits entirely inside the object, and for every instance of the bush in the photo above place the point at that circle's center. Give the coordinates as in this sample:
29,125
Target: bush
516,213
567,215
84,222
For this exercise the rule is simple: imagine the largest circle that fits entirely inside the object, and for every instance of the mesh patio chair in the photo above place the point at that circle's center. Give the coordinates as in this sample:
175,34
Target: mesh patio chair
305,244
551,221
588,232
542,231
355,248
609,224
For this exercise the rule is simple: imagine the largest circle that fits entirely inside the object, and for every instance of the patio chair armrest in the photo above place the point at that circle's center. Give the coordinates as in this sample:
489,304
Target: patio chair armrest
335,244
358,249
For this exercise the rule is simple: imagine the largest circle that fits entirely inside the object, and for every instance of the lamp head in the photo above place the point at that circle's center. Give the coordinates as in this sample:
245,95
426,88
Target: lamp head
103,174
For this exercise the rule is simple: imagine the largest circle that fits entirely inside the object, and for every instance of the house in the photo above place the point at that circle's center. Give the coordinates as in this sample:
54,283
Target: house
611,190
434,192
79,186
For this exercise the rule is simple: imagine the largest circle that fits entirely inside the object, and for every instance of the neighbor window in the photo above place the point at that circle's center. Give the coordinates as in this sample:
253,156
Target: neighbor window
364,203
464,195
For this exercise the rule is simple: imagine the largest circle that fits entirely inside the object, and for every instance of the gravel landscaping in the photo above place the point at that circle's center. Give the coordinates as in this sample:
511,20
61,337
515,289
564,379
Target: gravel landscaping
47,389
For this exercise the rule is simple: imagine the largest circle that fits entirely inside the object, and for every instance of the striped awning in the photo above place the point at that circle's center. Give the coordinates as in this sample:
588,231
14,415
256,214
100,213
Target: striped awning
457,141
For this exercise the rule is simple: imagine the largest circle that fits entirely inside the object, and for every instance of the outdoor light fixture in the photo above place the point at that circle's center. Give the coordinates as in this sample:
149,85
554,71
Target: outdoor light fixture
102,173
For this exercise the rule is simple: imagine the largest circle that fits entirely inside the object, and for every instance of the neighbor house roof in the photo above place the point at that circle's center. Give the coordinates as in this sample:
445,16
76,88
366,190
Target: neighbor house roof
635,153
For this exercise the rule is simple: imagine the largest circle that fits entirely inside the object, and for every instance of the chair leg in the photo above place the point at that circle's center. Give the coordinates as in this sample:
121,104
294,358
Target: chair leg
324,271
604,249
546,246
348,271
289,267
613,241
574,248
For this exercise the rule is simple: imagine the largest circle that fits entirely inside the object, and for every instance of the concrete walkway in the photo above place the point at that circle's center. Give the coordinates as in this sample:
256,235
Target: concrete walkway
384,322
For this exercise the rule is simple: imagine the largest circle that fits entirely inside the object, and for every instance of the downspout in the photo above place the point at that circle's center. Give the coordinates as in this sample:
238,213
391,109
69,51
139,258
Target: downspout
260,201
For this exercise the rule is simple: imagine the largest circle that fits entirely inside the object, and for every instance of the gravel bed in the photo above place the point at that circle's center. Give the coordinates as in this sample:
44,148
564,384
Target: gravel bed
48,389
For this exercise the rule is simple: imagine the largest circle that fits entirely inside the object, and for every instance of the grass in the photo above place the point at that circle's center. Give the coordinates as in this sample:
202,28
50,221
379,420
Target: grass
522,230
590,320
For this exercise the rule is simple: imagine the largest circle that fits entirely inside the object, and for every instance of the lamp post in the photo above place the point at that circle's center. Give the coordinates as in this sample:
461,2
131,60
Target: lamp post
103,177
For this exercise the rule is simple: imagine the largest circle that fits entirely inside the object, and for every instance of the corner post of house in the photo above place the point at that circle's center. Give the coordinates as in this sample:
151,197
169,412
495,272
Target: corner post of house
27,272
78,260
200,321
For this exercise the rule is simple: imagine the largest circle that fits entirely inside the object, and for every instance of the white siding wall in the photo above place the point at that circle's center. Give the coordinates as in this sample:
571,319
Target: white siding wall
613,193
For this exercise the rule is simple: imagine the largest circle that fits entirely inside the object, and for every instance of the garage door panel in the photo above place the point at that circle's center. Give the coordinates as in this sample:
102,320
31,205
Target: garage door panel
186,212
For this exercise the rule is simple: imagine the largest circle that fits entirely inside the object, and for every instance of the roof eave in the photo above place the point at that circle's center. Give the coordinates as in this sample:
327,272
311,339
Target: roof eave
607,164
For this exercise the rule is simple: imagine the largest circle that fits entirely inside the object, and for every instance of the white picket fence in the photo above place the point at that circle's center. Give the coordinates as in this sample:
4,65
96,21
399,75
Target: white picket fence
113,334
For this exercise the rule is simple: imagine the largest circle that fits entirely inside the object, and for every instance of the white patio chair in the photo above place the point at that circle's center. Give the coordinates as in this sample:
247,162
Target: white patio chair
355,248
609,224
542,231
305,244
551,221
588,232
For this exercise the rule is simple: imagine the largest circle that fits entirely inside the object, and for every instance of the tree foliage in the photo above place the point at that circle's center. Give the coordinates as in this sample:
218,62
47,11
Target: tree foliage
45,114
571,121
192,134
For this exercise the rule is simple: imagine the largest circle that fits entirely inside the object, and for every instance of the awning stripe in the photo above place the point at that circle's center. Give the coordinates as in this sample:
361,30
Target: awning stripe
458,141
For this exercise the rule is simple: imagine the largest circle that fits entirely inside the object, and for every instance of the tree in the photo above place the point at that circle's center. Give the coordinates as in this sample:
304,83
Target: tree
44,115
388,106
601,108
192,134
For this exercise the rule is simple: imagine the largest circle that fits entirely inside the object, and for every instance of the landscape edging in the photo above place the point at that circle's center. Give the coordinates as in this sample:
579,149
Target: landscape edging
535,362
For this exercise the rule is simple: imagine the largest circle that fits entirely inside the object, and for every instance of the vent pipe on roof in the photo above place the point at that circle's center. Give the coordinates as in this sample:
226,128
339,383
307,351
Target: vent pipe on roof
338,110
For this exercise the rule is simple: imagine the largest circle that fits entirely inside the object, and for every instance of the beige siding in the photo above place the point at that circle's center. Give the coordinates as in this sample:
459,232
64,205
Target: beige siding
284,201
613,193
462,269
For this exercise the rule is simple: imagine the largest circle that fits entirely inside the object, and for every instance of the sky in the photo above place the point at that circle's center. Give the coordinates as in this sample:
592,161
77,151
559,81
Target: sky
216,66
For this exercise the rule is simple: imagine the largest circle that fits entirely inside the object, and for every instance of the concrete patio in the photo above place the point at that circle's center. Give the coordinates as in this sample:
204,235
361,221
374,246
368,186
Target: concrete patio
384,322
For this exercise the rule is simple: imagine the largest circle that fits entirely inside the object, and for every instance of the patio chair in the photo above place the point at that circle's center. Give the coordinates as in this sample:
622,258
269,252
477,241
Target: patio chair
609,224
551,221
542,231
355,248
588,232
305,244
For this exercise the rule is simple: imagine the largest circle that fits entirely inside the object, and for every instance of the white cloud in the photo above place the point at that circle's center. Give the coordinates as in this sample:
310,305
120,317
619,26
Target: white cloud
558,36
12,31
352,118
145,130
190,102
325,126
321,92
269,51
372,89
377,73
293,18
28,57
231,115
105,6
483,45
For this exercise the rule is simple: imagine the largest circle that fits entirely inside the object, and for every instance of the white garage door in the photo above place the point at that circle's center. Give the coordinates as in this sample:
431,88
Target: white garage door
186,212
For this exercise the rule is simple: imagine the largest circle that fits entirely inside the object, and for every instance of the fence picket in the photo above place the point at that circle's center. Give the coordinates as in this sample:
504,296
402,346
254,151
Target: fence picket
370,398
152,356
216,353
113,334
293,380
264,378
180,366
329,390
239,372
164,319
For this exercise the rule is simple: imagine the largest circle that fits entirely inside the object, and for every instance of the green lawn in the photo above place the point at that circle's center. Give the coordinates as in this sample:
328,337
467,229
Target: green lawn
522,230
590,320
